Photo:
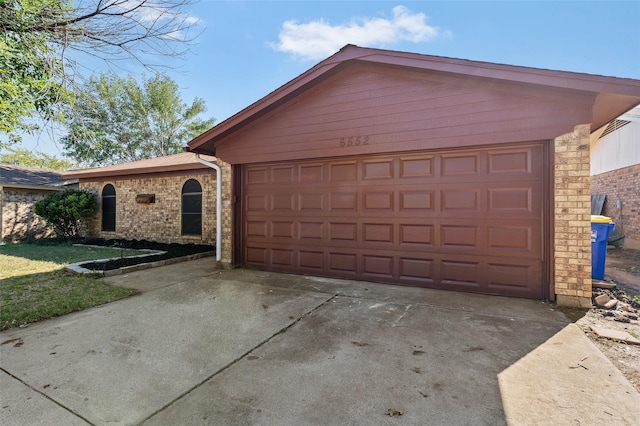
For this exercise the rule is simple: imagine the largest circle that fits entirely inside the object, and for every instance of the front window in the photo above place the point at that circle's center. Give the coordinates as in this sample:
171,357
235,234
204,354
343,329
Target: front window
109,208
192,208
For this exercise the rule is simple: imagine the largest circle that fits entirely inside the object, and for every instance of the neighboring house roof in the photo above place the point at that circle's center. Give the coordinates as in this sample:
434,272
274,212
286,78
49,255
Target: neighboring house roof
610,96
168,163
31,177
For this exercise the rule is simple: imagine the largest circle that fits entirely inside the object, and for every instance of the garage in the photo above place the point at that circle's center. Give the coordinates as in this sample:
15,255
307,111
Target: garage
419,170
467,220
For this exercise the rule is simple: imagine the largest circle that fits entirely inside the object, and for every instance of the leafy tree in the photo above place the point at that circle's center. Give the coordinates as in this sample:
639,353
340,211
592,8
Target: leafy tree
43,43
27,65
65,211
27,158
116,120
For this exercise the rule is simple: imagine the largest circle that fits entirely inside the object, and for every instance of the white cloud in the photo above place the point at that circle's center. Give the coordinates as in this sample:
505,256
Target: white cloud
319,39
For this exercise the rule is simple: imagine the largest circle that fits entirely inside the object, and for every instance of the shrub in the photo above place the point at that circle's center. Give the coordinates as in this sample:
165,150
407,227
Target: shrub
64,211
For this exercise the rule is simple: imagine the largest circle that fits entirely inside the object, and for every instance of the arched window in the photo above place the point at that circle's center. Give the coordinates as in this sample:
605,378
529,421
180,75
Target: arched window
192,208
109,208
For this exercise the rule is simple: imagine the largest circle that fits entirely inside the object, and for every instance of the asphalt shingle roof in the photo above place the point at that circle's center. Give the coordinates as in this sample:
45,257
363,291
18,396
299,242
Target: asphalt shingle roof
29,176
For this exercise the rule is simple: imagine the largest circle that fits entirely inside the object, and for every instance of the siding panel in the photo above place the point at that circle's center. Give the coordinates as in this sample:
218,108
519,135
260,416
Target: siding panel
399,110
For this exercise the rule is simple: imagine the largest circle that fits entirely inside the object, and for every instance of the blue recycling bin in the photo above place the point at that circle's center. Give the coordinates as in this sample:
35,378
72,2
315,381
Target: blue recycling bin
601,228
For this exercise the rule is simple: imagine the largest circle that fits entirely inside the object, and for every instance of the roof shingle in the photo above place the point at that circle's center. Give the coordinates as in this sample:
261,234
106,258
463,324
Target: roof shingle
29,176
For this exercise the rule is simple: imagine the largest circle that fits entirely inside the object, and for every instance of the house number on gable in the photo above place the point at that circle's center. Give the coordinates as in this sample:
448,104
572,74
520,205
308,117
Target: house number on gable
354,141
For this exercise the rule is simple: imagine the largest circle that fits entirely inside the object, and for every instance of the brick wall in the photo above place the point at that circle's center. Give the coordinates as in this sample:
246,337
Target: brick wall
161,221
572,218
227,214
624,185
19,222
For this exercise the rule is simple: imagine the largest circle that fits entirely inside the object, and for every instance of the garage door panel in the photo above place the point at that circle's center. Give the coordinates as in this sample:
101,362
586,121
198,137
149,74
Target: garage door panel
455,274
503,275
343,202
378,266
451,220
515,239
282,229
378,169
414,167
460,236
311,231
343,171
311,202
341,262
339,232
284,202
283,174
256,176
257,203
460,200
414,270
256,256
510,162
460,165
311,260
378,233
517,196
515,161
510,200
378,201
510,238
311,173
282,257
416,235
417,201
256,228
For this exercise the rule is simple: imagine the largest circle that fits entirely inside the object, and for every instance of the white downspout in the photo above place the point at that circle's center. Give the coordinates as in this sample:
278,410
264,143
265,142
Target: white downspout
218,204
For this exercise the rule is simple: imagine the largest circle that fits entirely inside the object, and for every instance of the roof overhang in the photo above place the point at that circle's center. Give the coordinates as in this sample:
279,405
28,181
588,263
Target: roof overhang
613,96
172,163
48,188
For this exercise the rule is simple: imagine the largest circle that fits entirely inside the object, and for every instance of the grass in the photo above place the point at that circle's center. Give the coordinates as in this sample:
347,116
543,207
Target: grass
34,285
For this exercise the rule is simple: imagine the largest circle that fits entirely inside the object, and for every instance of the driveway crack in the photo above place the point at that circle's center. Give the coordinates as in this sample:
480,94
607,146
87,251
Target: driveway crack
46,396
239,358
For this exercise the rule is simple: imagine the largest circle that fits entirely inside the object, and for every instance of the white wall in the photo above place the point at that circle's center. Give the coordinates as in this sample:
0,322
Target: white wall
616,150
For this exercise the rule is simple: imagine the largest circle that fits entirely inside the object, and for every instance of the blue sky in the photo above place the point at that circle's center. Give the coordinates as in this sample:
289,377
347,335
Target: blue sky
247,49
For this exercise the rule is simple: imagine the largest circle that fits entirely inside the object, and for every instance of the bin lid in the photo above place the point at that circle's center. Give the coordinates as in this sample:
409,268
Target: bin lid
600,219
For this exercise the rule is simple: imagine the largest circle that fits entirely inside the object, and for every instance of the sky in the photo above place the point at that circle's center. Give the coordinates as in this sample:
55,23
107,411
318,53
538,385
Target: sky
247,49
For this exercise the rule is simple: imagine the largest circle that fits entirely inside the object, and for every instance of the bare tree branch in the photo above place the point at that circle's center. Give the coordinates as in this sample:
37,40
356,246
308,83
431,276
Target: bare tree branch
58,33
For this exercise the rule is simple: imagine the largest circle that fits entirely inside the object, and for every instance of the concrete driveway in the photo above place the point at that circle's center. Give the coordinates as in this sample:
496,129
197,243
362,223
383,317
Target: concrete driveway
240,347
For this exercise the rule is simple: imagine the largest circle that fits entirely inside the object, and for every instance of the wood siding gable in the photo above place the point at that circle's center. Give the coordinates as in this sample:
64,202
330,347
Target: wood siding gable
368,109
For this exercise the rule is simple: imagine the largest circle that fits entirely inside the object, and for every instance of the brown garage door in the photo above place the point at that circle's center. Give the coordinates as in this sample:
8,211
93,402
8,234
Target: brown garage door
461,220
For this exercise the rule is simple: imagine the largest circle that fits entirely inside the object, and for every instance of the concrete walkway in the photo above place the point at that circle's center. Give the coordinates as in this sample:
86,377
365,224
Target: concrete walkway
240,347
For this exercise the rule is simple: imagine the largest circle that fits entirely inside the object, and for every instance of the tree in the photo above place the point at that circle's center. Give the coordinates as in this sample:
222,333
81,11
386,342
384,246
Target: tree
27,158
27,67
65,211
116,120
41,42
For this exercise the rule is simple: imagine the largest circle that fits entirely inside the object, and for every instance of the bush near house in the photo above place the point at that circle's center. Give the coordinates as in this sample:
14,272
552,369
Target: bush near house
64,211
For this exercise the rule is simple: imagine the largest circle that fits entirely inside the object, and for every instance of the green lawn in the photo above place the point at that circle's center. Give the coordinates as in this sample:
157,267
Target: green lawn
34,285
